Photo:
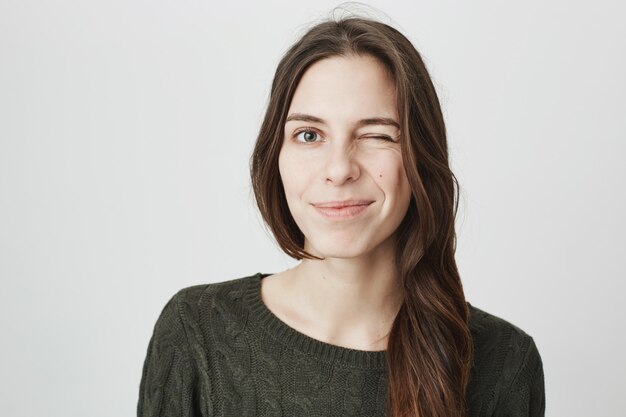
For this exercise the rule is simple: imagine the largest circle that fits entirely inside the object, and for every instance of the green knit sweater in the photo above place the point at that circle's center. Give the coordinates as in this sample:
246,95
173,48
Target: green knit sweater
217,350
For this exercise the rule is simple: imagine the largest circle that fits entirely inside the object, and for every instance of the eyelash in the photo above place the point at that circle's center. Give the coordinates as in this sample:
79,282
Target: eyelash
308,129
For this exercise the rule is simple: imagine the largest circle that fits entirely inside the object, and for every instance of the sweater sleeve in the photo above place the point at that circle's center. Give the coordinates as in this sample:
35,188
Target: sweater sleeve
526,395
168,378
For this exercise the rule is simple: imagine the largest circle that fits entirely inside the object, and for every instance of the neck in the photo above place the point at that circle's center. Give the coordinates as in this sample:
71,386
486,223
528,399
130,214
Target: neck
351,302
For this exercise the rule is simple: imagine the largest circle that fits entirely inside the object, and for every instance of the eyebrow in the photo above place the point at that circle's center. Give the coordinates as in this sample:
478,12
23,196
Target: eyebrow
363,122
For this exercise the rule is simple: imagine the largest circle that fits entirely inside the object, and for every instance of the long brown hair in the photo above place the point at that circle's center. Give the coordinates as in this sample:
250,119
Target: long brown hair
429,349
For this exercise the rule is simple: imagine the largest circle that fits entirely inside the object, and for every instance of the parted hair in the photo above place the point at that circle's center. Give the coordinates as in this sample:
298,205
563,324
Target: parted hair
429,351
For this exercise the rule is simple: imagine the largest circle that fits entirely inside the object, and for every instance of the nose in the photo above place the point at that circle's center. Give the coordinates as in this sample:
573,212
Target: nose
341,163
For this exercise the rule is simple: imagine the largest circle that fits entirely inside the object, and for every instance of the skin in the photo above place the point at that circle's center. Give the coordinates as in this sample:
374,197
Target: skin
351,298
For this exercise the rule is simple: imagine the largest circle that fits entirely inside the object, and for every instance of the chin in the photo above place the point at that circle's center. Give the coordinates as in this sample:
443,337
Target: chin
337,249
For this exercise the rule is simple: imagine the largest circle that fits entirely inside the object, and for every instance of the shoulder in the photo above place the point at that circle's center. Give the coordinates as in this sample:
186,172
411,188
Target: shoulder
498,343
488,328
231,289
506,359
188,303
176,357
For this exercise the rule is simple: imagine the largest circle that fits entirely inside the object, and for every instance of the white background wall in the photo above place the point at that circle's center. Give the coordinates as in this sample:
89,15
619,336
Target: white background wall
125,133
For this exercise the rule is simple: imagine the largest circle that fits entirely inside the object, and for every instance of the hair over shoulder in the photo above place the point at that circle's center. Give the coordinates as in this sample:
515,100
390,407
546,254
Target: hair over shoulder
429,351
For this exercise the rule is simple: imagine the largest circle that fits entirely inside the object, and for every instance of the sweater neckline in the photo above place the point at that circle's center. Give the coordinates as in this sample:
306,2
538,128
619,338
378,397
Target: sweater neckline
293,339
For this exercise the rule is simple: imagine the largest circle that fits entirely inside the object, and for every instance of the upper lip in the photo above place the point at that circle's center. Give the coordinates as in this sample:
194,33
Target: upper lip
342,203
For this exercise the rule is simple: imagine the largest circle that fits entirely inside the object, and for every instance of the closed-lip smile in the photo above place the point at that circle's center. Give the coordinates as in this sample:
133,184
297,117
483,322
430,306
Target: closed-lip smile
342,210
342,203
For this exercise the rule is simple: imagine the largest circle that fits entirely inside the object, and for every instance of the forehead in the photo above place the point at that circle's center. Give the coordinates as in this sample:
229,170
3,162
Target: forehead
346,88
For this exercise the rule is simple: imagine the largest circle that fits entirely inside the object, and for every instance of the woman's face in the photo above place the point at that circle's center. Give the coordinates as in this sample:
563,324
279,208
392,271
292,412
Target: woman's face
329,153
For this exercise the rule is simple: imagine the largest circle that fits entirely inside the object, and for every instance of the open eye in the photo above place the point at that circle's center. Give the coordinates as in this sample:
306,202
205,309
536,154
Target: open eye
305,130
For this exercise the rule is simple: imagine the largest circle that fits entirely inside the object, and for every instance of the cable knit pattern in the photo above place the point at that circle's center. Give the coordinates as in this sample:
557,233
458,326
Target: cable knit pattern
217,351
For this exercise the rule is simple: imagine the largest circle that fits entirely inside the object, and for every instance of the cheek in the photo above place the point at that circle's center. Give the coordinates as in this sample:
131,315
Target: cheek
291,173
390,174
402,185
403,181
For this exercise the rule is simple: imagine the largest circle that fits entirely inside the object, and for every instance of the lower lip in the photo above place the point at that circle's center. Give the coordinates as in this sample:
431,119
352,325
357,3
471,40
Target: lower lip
343,213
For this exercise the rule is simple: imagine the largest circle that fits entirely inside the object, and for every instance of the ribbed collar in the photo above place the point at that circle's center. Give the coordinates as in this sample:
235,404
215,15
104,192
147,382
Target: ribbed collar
290,337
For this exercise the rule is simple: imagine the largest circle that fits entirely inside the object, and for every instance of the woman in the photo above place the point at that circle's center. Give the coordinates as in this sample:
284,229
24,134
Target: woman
350,171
